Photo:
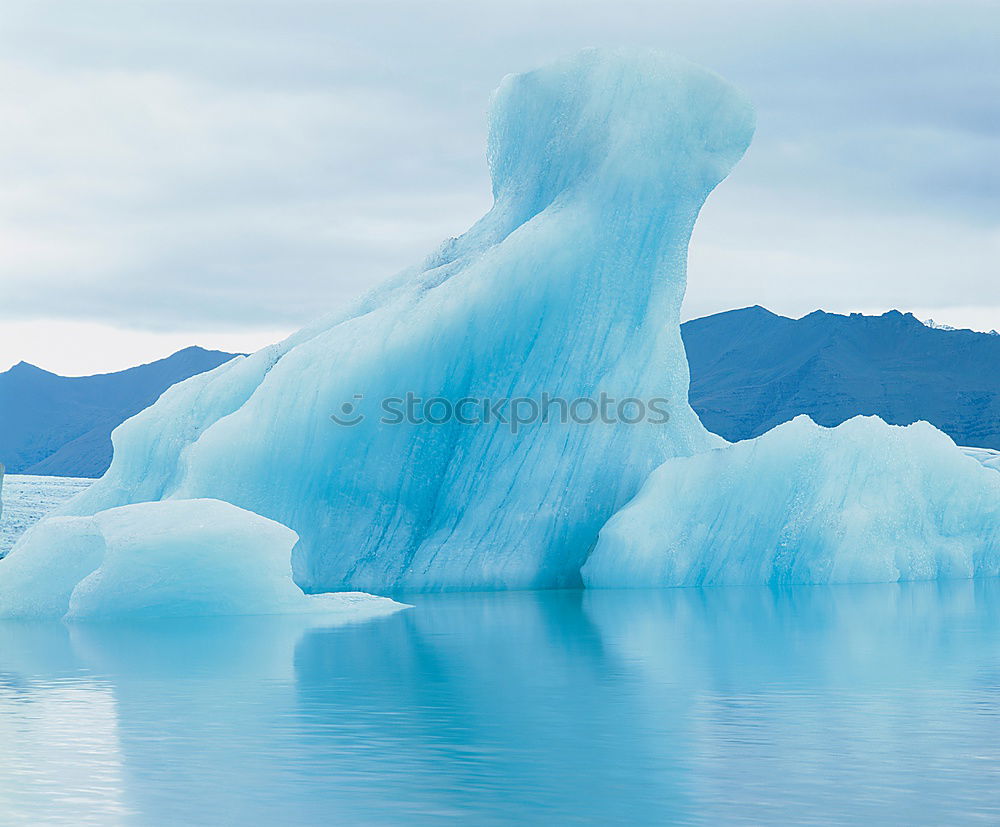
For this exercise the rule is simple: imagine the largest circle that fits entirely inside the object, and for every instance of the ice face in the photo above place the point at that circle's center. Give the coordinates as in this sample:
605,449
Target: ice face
165,559
862,502
570,286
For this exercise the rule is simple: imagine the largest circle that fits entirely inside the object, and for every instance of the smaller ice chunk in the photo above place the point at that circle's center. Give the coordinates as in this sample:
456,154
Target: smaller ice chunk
862,502
164,559
51,558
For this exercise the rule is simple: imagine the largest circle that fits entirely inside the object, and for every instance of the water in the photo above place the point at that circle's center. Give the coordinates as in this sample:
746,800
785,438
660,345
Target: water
874,704
25,499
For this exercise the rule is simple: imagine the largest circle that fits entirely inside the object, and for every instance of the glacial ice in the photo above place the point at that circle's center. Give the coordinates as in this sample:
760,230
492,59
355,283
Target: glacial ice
985,456
571,285
862,502
164,559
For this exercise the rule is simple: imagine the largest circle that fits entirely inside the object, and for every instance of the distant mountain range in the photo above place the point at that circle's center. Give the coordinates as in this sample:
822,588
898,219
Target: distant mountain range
61,425
750,370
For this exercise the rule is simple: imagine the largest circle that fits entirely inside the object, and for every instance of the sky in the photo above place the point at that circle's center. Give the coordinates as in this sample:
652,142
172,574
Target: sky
220,172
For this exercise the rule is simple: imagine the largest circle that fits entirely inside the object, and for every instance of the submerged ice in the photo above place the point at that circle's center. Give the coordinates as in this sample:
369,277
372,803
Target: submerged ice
569,287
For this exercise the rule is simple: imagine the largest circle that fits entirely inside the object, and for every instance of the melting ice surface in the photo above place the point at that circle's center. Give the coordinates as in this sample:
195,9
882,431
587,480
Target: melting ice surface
859,704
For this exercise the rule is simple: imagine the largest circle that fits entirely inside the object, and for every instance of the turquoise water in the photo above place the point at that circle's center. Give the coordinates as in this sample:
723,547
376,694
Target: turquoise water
826,704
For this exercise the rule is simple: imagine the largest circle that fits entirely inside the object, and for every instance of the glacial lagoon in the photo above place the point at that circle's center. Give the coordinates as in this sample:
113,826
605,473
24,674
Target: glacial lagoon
829,704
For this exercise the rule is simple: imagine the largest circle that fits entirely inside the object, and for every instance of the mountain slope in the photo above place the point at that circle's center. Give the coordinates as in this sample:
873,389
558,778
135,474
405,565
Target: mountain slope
752,369
61,426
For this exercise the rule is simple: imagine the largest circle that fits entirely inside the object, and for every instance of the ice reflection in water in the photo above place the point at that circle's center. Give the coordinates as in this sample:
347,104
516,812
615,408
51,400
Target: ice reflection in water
843,703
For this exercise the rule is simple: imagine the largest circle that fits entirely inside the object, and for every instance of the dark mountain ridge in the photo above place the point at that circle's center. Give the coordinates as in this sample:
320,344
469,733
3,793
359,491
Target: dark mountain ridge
61,425
752,369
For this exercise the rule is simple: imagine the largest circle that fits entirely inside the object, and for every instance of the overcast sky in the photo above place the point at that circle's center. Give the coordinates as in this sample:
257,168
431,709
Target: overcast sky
218,172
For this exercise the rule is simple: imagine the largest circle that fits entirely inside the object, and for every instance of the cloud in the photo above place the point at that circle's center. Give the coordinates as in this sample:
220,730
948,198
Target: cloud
223,165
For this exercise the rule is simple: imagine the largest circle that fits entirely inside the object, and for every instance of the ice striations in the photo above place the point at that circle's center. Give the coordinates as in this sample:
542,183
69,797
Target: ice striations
570,286
862,502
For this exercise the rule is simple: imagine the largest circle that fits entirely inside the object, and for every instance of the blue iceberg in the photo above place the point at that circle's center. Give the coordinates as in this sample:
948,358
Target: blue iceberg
864,502
570,287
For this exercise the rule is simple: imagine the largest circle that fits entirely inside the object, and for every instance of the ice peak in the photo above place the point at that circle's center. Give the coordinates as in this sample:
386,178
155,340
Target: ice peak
631,123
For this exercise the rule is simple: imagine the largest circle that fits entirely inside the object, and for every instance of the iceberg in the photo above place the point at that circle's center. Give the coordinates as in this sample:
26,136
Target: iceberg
166,559
570,286
569,289
804,504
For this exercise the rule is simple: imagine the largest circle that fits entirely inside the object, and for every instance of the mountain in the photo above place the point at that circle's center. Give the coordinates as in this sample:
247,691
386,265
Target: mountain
61,425
752,369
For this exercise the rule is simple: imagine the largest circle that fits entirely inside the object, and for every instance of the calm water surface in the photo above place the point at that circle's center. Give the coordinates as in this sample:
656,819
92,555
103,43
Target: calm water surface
874,704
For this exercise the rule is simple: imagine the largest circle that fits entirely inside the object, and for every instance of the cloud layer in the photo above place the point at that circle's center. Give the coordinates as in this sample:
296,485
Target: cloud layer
231,165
